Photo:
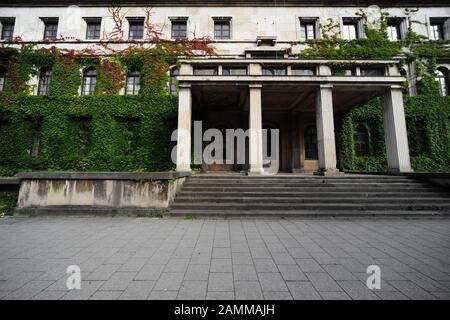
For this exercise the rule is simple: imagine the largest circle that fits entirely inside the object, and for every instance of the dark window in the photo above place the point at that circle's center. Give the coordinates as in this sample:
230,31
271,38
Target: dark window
136,29
442,77
35,142
173,80
89,81
7,29
274,71
342,72
3,76
308,29
133,82
179,29
361,136
372,72
234,71
93,28
222,29
50,29
205,71
311,143
44,81
303,71
436,30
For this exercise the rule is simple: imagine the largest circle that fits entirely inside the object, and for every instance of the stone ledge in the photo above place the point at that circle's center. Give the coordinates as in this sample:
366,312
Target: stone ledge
48,175
9,181
90,211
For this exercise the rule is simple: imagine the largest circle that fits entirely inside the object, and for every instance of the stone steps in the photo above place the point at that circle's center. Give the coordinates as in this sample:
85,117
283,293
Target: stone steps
308,195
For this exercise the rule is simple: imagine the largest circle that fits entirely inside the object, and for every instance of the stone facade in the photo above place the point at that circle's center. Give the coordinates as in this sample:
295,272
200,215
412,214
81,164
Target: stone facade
273,89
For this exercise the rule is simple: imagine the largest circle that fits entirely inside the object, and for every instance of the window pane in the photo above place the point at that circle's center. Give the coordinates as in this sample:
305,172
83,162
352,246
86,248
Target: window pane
234,71
51,30
311,144
372,72
136,31
436,31
349,32
7,30
93,31
205,71
302,72
179,30
44,82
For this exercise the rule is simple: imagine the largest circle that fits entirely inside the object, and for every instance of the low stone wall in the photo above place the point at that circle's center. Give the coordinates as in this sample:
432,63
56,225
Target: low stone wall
96,192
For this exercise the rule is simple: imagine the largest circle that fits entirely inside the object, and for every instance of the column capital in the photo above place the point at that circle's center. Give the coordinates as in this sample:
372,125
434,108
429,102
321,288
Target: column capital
326,86
396,87
255,86
184,85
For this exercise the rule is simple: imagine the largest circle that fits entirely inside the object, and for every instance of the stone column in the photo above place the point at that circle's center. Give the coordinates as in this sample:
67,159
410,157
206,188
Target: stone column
395,133
184,128
325,130
255,131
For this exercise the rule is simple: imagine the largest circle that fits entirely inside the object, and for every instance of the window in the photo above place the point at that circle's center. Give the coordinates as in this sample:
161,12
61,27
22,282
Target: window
271,71
44,81
303,71
234,71
93,28
361,136
50,28
372,72
222,29
35,137
89,81
351,28
7,28
3,75
342,72
179,28
308,28
133,82
136,31
173,80
437,28
443,79
311,152
205,71
394,29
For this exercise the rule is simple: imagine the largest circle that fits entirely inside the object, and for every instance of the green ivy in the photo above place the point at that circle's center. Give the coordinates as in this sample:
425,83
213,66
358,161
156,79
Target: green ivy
428,126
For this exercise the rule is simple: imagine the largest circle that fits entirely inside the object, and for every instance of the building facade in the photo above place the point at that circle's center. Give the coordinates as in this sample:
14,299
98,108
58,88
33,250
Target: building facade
257,78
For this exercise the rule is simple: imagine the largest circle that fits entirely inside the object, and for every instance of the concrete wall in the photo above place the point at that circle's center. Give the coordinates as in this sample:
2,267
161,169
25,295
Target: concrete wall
114,190
247,22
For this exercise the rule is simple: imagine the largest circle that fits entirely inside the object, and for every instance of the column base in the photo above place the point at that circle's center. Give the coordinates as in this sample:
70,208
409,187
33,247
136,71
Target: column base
298,170
183,169
396,171
255,172
329,173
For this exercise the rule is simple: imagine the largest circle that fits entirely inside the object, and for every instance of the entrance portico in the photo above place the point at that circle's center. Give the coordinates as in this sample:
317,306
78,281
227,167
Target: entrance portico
291,103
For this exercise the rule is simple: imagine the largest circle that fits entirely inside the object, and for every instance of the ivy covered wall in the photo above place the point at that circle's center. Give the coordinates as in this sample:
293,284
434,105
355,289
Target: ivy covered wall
428,125
101,132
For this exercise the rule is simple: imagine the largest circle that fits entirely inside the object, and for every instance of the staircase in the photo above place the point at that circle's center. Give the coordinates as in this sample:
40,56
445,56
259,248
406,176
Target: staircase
229,195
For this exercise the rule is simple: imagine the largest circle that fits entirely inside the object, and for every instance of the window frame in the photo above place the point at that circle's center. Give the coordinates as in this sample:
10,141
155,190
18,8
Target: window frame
96,22
10,22
444,82
45,79
222,21
310,144
361,146
230,68
92,83
274,72
356,23
136,85
3,78
178,23
49,34
134,22
304,34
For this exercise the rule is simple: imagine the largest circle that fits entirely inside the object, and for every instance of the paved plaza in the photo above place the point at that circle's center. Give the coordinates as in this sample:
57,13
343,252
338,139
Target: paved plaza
150,258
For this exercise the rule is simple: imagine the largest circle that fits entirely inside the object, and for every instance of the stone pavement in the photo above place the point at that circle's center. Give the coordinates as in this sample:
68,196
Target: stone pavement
143,258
